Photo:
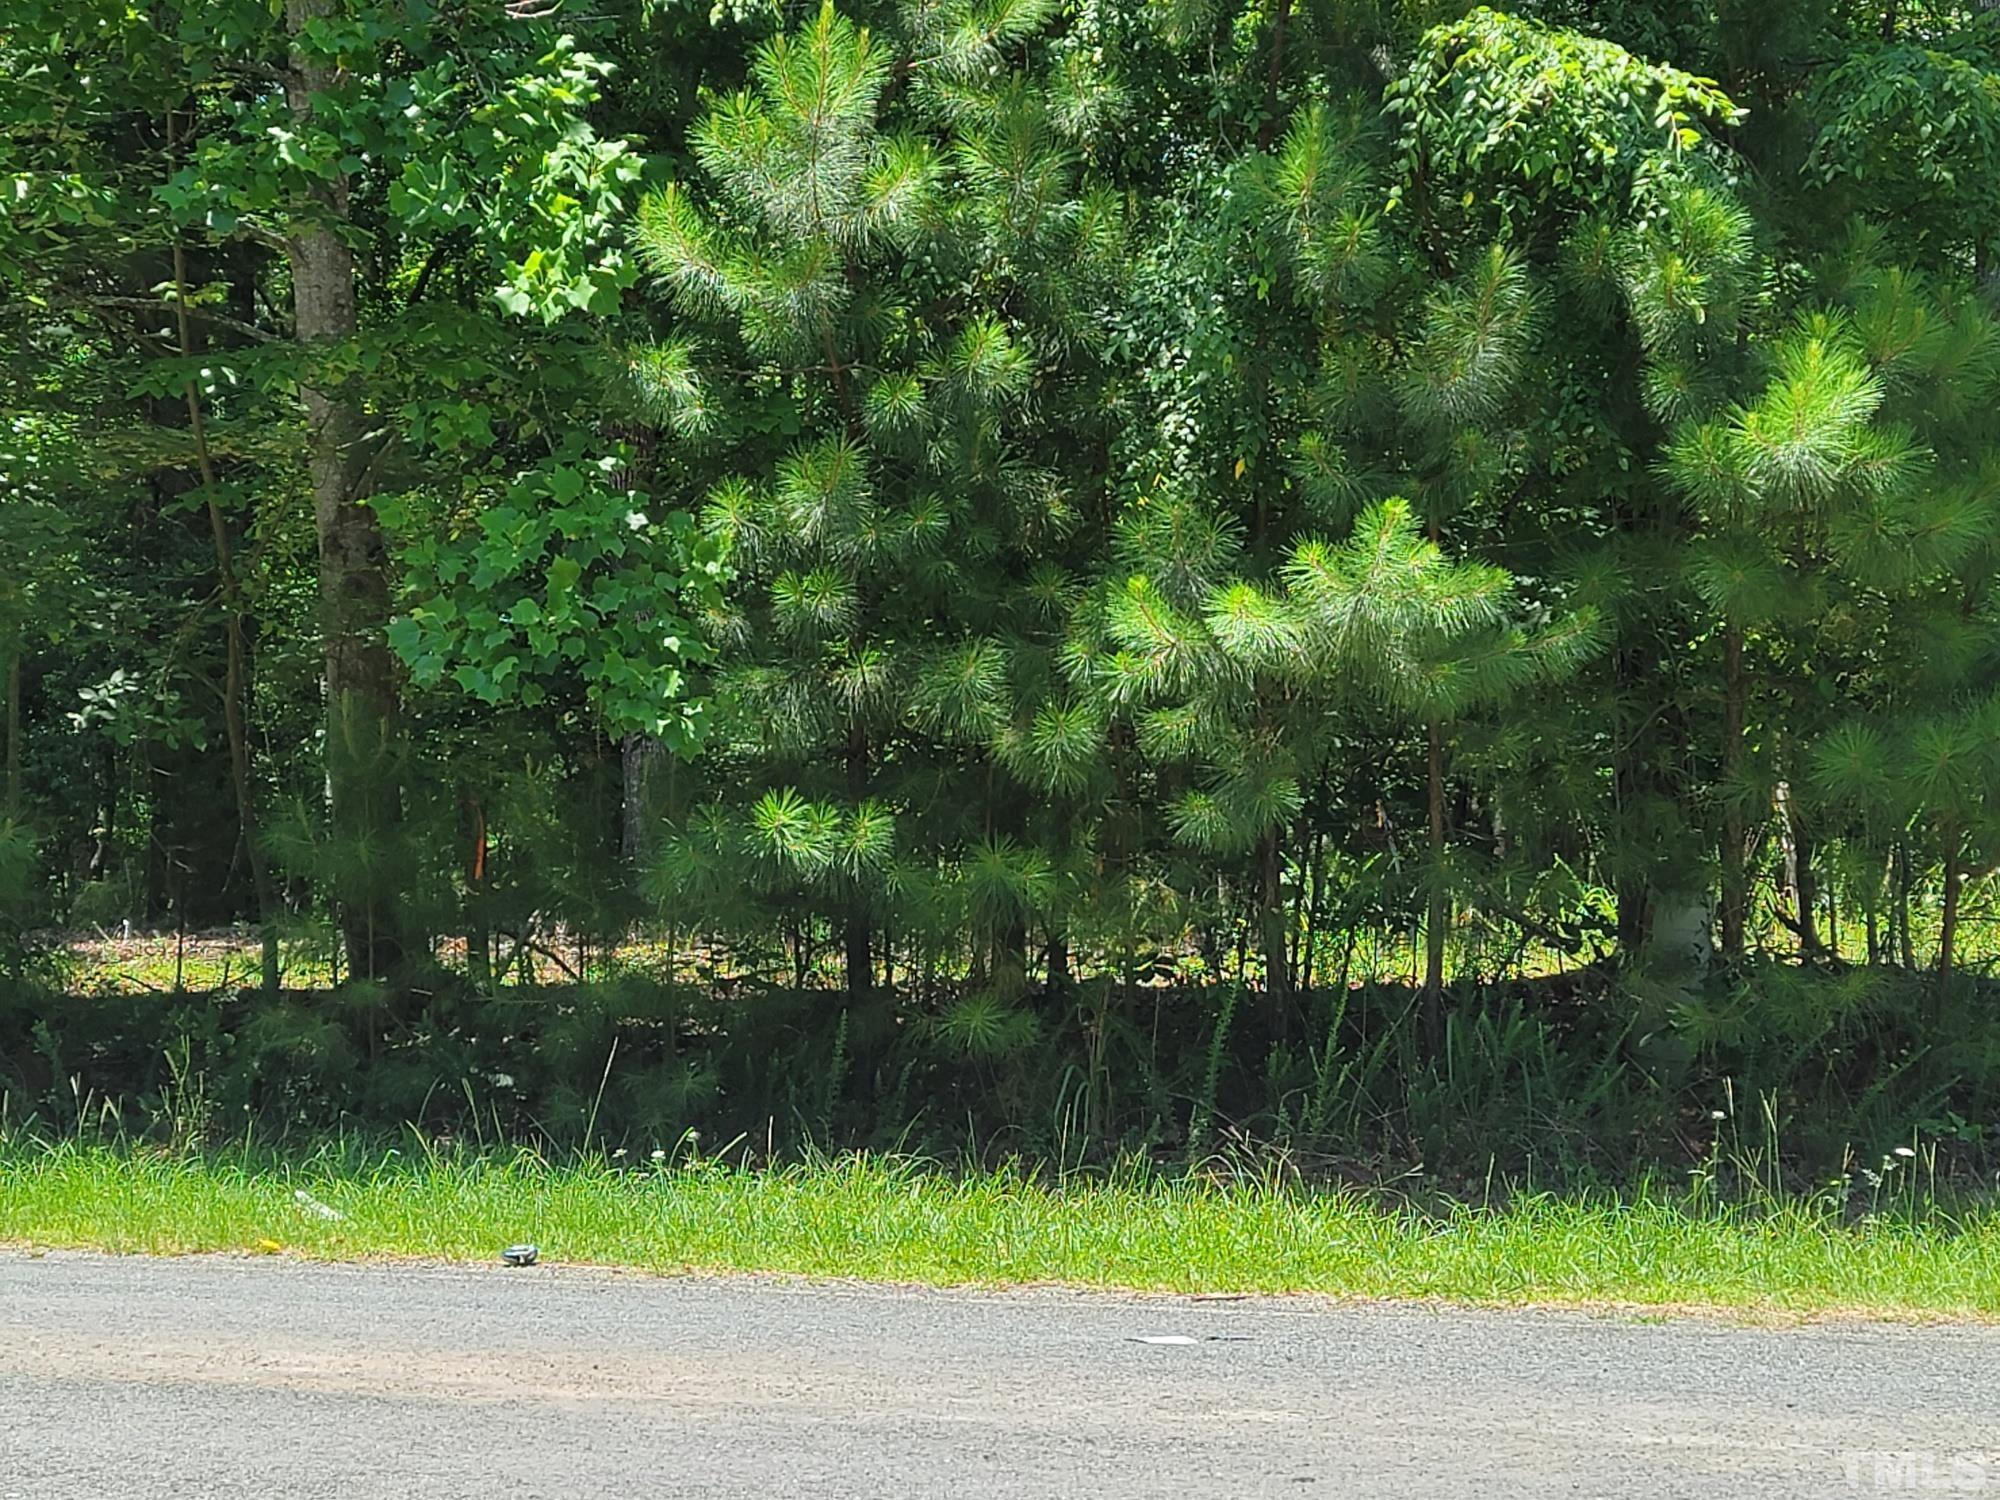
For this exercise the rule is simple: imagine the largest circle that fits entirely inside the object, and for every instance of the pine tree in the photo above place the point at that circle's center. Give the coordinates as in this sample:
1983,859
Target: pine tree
1776,480
869,202
1433,640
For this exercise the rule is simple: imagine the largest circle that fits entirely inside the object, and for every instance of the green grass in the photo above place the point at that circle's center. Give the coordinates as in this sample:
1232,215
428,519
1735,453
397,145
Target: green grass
883,1219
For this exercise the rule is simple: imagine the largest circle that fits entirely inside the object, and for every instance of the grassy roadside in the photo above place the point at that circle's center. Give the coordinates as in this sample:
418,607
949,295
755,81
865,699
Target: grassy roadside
882,1219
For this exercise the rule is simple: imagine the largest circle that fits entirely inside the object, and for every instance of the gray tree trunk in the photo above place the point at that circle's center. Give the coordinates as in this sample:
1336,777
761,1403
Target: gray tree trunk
639,757
363,793
18,649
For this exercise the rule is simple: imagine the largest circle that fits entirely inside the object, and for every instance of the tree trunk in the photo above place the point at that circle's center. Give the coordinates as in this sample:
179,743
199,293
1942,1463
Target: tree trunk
108,808
1306,969
234,688
1056,960
1871,914
14,788
363,795
1900,914
1643,869
159,880
639,756
1010,961
1271,924
1438,916
478,936
1632,893
1801,880
1948,931
1735,888
1274,72
859,955
1805,858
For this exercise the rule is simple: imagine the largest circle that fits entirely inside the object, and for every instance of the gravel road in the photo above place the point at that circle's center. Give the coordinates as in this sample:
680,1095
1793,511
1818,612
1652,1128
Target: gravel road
134,1379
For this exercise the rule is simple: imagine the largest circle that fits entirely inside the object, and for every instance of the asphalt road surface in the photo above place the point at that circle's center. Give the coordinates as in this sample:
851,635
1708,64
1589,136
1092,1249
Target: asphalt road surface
132,1379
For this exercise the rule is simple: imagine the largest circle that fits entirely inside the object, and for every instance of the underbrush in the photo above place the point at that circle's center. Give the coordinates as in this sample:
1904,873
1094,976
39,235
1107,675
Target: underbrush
1776,1077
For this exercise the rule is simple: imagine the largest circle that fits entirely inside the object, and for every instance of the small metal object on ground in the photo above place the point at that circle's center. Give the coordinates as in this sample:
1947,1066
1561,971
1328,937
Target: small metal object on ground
520,1255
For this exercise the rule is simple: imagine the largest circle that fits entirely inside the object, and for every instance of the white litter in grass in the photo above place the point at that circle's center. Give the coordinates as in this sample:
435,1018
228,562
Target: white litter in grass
317,1209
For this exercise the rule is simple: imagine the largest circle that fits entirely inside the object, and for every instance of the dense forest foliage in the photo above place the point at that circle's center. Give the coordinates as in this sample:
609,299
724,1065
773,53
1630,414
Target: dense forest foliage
1373,574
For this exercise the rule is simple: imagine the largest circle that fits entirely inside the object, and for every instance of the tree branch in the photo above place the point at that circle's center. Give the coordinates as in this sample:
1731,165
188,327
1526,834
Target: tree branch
169,309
